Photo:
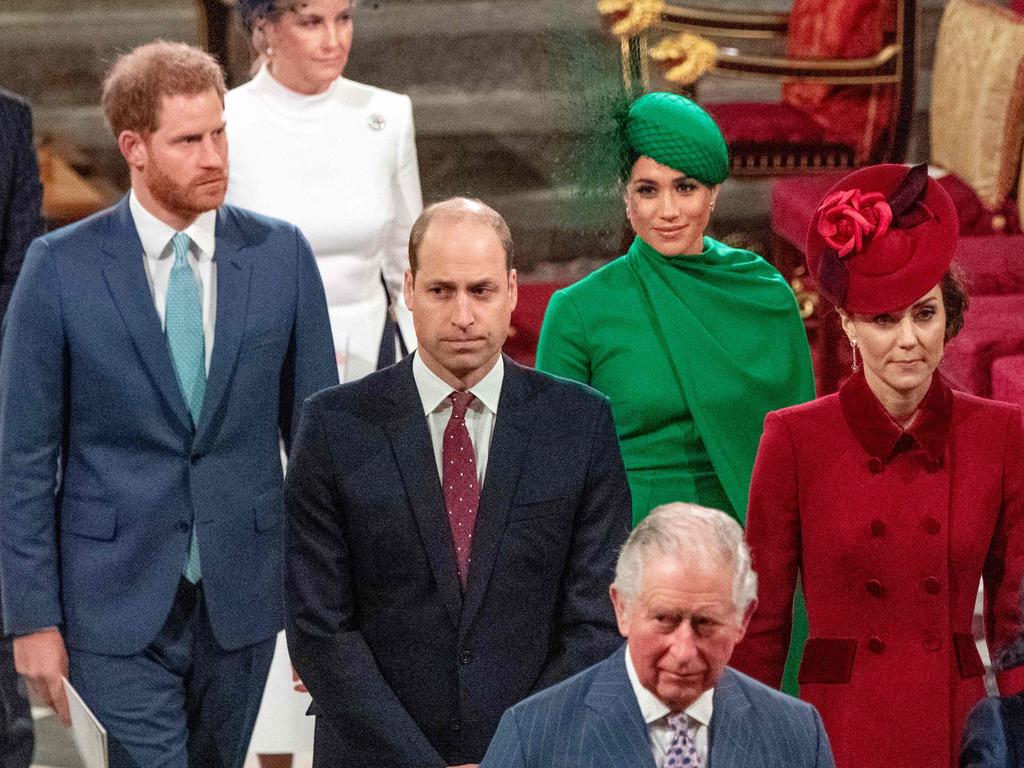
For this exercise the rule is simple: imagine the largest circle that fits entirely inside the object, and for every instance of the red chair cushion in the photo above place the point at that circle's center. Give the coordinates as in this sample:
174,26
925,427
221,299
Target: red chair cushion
758,123
1008,379
994,328
992,264
842,29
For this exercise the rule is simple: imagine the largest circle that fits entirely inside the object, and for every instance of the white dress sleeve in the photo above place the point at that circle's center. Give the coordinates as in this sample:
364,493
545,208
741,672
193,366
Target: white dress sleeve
408,205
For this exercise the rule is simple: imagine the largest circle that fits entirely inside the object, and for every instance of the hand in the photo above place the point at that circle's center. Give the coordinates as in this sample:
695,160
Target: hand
42,660
467,765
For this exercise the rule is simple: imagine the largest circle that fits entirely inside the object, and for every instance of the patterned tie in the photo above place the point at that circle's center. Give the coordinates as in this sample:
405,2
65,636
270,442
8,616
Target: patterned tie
461,489
682,752
184,328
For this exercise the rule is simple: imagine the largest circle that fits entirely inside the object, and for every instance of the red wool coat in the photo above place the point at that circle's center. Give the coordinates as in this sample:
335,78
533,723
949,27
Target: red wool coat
891,531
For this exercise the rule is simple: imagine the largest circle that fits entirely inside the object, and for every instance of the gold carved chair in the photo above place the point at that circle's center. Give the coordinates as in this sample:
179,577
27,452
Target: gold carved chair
846,69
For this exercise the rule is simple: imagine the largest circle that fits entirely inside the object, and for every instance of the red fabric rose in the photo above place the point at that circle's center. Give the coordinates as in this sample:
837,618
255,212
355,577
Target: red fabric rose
849,218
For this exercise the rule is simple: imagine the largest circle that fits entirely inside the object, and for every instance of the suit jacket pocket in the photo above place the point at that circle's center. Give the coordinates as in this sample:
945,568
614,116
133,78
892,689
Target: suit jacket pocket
90,519
827,660
269,510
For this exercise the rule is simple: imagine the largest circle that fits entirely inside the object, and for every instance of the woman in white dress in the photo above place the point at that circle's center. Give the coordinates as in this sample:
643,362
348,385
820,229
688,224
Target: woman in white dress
334,157
337,159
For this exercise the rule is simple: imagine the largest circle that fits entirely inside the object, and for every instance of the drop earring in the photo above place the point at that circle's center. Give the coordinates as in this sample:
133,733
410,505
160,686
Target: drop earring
853,348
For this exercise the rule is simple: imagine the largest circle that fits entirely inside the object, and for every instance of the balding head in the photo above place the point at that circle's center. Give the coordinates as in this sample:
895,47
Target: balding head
460,209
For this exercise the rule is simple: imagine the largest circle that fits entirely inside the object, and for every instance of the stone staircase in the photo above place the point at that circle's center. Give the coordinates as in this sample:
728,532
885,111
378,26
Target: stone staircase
489,81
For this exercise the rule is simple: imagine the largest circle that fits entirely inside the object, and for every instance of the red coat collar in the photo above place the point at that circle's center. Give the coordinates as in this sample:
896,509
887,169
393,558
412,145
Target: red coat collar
882,438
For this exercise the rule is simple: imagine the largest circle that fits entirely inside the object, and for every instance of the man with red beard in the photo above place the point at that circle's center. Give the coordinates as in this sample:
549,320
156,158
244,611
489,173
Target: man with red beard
152,357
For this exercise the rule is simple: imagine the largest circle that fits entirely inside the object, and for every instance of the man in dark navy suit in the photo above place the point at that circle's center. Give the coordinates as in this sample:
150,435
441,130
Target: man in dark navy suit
453,522
152,358
684,593
21,196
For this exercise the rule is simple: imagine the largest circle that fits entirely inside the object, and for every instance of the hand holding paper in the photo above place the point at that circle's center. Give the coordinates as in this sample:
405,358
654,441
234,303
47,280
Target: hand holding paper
42,660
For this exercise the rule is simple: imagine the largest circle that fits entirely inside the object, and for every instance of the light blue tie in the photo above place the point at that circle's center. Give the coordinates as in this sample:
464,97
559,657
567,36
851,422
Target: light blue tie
184,328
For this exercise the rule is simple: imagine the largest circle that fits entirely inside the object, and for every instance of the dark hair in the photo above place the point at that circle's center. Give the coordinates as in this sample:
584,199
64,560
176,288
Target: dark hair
139,79
461,209
255,11
954,300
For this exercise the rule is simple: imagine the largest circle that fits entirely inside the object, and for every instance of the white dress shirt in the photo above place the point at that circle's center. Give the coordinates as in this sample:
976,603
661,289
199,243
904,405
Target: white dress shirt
655,714
159,258
479,417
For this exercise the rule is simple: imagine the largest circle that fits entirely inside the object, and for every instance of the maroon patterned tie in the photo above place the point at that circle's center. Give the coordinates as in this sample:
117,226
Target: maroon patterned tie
461,489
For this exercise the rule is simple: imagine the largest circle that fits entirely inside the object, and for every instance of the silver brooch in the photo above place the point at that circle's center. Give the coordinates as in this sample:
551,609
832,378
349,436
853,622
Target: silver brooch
376,121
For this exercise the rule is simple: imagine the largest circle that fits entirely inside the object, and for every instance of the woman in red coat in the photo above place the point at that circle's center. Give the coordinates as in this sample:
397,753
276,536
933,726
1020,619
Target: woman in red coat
891,498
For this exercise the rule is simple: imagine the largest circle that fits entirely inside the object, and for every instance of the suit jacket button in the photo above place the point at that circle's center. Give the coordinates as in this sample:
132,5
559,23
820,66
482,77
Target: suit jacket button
456,726
875,588
183,526
465,657
932,585
931,525
877,528
932,642
875,644
874,465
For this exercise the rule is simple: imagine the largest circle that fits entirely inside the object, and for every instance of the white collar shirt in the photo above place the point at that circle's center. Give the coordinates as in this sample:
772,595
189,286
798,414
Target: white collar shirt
480,417
156,236
655,715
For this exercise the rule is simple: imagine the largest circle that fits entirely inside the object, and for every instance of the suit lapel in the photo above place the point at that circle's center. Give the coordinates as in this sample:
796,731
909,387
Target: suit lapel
618,732
125,274
414,454
731,731
508,449
233,280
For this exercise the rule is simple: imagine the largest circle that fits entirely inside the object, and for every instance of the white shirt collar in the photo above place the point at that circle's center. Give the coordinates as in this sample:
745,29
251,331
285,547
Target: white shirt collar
155,235
653,709
434,390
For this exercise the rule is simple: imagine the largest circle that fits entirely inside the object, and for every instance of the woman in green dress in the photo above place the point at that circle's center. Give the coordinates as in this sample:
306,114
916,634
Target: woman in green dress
693,341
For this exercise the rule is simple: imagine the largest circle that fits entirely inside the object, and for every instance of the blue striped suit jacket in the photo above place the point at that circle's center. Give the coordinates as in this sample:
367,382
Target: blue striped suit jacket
593,720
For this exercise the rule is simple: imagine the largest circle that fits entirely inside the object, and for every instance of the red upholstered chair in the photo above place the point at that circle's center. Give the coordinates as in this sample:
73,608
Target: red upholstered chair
847,69
527,317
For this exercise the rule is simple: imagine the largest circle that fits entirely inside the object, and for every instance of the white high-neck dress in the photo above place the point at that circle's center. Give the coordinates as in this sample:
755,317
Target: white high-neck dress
341,165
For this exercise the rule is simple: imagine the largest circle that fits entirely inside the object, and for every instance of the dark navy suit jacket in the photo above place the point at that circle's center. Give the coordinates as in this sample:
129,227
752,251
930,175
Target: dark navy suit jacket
405,669
86,377
21,193
593,720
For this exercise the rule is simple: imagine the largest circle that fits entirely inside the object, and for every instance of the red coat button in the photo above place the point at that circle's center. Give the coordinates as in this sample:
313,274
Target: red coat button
875,588
932,642
932,585
877,528
875,645
931,525
874,465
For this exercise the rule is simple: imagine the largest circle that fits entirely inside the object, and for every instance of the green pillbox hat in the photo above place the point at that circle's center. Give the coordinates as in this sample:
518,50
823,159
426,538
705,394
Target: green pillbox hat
674,131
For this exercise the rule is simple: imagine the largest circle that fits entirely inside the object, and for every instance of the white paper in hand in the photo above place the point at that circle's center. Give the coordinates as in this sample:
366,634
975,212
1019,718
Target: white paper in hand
89,734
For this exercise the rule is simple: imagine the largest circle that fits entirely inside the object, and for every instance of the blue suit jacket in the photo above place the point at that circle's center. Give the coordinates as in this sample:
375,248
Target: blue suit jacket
87,382
594,720
21,193
406,669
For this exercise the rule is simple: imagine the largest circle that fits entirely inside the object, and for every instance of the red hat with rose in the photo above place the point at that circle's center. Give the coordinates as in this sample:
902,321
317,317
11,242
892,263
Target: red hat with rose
882,238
